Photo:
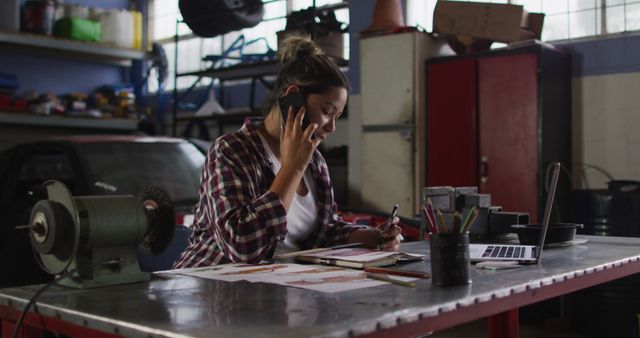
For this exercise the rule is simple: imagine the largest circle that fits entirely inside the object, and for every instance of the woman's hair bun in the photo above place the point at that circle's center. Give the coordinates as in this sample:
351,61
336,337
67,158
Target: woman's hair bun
295,47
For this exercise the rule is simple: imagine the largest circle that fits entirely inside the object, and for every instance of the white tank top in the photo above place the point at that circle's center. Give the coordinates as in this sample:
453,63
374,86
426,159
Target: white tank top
303,213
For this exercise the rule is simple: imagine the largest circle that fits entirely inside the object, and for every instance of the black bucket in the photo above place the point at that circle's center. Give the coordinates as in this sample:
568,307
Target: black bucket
610,309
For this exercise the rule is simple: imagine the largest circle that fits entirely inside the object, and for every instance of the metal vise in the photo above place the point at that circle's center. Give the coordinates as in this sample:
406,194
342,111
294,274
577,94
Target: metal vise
491,219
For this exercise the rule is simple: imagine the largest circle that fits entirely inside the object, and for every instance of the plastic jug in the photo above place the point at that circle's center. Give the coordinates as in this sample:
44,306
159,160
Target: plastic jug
137,29
117,27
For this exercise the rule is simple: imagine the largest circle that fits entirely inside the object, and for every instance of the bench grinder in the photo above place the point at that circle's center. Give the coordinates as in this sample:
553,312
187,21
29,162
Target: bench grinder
82,233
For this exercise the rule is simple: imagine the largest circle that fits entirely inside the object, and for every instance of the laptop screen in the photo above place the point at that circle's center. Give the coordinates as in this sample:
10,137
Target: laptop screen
547,209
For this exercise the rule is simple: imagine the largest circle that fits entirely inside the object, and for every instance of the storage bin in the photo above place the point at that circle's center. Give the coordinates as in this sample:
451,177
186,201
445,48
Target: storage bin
10,15
77,29
37,17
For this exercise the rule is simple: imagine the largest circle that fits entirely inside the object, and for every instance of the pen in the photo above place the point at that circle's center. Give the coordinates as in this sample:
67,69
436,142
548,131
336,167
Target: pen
387,224
405,273
394,212
384,278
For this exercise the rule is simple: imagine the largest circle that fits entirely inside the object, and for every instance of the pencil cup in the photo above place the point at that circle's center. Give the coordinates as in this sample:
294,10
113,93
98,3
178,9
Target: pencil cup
450,262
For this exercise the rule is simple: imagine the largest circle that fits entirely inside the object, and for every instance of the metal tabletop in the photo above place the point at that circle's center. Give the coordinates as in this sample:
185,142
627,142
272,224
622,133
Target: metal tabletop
181,306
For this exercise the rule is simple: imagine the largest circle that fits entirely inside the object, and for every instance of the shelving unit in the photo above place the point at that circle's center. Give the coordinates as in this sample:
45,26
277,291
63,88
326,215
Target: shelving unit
240,71
36,44
95,52
256,71
25,119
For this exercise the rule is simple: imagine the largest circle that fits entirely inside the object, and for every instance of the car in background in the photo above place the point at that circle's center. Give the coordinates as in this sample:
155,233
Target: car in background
89,165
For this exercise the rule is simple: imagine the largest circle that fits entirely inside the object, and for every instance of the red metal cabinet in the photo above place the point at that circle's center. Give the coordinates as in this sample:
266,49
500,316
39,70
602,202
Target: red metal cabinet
496,120
452,155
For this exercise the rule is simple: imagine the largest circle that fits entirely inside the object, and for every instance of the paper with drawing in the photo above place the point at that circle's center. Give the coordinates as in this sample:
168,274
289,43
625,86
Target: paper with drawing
313,277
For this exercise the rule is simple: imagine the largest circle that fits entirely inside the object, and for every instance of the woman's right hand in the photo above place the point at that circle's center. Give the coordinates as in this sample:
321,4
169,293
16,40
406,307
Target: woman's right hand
296,144
296,148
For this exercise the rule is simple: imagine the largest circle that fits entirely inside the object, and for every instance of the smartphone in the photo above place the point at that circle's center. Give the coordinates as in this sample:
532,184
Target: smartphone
297,101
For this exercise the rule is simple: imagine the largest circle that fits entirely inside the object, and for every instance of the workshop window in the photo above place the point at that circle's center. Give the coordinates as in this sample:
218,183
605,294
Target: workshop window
164,13
565,19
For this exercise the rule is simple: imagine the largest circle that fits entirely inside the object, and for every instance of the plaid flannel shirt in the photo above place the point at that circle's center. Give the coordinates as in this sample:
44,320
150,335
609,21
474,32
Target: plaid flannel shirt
237,218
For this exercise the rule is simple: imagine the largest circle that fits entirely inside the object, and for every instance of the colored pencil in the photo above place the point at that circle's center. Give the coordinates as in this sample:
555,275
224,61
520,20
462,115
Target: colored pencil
430,211
457,222
467,218
471,221
316,250
386,278
397,272
440,216
430,223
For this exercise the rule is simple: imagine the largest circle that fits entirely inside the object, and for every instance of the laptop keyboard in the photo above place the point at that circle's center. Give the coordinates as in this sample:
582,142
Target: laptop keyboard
504,251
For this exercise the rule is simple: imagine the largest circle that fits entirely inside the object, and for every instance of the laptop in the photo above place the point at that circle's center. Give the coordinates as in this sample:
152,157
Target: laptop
521,253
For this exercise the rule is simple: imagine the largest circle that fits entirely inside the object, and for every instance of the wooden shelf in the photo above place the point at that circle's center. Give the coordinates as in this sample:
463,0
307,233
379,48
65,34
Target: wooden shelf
67,122
69,48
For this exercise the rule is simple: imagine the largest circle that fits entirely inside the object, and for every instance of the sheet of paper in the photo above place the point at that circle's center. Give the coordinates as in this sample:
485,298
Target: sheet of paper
498,265
567,243
313,277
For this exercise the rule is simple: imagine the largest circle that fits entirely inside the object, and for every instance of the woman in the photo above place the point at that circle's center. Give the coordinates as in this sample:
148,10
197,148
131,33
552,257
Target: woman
266,186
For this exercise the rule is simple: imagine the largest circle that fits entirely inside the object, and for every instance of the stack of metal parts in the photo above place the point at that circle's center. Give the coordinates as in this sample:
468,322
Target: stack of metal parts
491,219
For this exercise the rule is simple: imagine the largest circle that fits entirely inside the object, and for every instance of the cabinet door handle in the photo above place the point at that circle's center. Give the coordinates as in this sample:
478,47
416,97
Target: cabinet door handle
484,169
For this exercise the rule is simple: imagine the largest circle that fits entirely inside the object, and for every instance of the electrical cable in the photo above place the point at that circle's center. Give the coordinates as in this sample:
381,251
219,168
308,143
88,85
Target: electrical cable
547,181
46,286
238,45
595,167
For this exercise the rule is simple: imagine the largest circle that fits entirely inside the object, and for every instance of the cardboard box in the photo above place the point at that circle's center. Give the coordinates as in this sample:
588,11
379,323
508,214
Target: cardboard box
332,44
496,22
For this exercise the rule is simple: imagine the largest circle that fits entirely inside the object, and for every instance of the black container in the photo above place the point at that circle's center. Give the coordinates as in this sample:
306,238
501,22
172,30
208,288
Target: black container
610,309
611,212
529,234
37,16
450,263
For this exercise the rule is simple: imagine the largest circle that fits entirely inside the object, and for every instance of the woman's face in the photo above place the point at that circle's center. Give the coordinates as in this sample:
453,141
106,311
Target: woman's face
325,108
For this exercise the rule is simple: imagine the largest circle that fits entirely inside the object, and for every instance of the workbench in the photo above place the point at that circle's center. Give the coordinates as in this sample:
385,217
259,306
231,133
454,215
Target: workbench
174,305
